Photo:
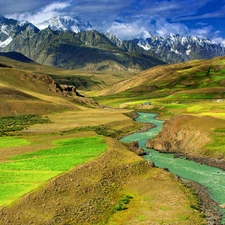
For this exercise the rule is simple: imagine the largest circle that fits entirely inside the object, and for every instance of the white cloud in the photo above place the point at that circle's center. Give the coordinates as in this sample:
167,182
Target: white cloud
163,28
127,31
219,40
44,13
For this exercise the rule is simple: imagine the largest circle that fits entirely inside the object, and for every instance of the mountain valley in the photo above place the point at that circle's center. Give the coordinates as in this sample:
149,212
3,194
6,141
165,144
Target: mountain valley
86,88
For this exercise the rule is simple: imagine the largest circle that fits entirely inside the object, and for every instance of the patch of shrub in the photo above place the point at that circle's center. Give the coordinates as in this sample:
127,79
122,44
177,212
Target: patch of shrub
101,130
19,122
122,204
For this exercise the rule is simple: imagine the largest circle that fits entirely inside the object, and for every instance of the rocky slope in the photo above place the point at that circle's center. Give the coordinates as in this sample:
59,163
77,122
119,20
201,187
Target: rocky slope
189,135
10,28
89,50
23,91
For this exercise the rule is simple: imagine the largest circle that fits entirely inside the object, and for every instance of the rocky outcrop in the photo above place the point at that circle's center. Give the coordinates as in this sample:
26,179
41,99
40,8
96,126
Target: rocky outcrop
65,90
189,136
69,90
180,134
134,147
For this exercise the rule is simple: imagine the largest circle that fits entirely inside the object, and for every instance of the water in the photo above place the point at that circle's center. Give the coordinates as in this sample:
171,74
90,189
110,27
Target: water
210,177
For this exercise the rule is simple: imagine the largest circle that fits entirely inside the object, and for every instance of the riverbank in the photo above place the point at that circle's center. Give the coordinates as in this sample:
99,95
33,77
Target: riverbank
169,138
192,137
209,207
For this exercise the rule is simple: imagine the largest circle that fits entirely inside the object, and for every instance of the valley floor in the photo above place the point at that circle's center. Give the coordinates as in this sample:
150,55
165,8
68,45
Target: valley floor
118,187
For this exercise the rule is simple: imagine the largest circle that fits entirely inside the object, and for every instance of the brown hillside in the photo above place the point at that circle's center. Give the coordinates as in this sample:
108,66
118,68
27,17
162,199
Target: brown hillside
190,135
24,92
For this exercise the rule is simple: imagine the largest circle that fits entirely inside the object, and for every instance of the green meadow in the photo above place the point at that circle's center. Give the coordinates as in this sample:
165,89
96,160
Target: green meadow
6,142
26,172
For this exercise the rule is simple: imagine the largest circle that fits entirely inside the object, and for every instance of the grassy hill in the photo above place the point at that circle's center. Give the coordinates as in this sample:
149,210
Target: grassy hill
189,96
29,87
175,83
175,78
25,88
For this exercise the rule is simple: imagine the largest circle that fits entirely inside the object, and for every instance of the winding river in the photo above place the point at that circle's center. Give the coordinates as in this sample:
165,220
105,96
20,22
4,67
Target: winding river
210,177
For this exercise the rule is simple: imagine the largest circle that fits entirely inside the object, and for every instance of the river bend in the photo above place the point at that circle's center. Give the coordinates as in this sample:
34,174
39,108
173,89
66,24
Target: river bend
210,177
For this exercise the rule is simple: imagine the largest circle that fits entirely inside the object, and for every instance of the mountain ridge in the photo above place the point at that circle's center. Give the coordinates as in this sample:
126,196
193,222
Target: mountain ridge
105,48
87,49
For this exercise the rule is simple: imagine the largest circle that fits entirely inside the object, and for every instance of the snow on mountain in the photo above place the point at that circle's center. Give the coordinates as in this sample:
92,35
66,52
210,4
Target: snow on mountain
114,39
5,42
174,47
8,27
64,23
173,42
142,40
171,49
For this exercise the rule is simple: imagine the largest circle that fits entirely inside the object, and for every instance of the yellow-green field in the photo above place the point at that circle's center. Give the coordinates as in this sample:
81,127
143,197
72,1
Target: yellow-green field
26,172
40,165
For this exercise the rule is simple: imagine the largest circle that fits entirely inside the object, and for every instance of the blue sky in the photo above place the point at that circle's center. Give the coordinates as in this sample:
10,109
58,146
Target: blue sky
127,19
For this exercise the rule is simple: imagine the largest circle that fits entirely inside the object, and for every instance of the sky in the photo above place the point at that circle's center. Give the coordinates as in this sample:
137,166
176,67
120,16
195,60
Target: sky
129,18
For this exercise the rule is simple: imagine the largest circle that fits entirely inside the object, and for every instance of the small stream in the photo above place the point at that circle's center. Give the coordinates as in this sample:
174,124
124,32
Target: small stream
210,177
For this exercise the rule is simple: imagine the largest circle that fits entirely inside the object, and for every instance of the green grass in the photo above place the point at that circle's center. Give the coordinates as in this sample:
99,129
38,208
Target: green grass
190,96
201,73
26,172
6,142
141,218
13,191
218,144
176,106
198,108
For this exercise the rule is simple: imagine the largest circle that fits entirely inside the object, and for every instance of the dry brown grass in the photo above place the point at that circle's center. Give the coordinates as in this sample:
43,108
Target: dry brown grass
86,117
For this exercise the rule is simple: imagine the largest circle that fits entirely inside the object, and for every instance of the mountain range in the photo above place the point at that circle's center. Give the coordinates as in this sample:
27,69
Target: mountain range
71,43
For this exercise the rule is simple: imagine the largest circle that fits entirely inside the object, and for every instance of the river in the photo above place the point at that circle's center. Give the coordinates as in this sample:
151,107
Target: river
210,177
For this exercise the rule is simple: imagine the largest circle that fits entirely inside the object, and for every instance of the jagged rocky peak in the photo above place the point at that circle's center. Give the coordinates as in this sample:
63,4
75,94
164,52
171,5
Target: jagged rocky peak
114,39
63,23
6,21
28,30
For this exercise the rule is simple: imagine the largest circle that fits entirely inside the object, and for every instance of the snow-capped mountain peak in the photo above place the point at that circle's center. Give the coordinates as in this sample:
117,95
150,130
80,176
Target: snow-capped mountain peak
64,23
145,34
